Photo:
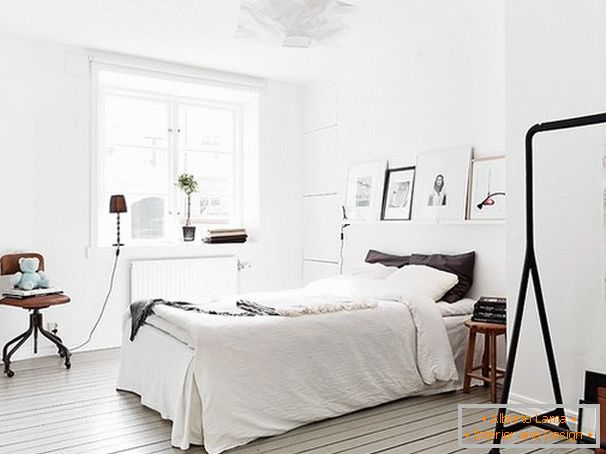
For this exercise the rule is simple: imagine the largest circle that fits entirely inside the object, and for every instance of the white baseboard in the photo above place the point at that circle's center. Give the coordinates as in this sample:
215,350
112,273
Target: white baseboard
525,400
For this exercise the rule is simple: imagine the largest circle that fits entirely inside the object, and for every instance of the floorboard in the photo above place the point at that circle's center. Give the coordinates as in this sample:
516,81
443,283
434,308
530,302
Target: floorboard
45,408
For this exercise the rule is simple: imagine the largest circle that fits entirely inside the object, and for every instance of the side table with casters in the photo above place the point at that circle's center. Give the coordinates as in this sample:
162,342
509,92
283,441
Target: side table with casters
489,371
9,264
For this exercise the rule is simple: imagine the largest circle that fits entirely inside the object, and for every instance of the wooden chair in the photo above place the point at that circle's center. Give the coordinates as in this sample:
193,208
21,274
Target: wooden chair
9,264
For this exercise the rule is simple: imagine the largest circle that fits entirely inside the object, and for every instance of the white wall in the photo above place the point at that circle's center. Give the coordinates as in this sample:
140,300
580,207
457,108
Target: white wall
45,162
443,88
17,162
556,68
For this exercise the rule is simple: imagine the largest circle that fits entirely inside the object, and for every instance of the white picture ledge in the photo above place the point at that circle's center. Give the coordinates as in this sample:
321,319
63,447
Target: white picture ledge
431,222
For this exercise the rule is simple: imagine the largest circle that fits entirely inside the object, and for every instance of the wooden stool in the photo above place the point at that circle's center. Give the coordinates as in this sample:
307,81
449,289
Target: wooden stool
490,372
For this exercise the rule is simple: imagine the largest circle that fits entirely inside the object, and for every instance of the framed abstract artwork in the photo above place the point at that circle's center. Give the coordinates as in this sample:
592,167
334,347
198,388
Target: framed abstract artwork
442,179
365,184
397,198
487,198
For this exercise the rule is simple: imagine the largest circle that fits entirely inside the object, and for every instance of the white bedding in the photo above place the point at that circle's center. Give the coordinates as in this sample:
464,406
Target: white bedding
260,376
462,307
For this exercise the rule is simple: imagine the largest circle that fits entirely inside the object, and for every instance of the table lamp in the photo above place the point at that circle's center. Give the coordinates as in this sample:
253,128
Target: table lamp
117,204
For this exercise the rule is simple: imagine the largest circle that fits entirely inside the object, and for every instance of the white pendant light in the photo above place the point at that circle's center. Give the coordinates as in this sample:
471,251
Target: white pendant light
294,23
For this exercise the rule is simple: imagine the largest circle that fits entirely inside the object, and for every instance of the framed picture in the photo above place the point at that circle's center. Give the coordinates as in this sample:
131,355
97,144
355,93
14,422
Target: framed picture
441,184
487,195
397,199
365,184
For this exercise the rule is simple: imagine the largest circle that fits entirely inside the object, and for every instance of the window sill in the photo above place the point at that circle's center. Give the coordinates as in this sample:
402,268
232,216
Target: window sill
172,250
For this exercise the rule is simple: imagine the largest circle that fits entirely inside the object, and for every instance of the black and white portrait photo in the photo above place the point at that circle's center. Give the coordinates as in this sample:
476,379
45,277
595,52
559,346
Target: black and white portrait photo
438,193
397,200
441,184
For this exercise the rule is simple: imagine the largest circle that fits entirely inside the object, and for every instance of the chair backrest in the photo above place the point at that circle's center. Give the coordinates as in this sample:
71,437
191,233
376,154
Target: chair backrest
9,264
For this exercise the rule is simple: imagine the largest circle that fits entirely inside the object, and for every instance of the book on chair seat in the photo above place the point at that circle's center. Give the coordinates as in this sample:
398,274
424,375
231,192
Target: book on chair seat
19,293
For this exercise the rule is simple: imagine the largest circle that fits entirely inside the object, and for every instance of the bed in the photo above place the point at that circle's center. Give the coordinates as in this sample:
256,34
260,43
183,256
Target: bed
225,381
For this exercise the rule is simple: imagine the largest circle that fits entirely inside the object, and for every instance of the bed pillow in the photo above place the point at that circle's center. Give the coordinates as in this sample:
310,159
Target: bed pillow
421,280
461,307
461,265
387,259
371,270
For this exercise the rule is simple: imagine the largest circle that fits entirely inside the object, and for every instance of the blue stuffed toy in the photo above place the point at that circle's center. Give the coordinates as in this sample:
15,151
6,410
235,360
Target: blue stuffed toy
29,278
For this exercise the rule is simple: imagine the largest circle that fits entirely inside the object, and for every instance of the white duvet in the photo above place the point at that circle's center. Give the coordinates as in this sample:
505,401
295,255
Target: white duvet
261,376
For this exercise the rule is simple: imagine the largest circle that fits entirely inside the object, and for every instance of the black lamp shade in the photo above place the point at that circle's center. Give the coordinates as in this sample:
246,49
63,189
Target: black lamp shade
117,204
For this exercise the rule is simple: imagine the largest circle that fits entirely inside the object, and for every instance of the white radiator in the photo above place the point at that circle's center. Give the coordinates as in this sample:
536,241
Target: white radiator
183,279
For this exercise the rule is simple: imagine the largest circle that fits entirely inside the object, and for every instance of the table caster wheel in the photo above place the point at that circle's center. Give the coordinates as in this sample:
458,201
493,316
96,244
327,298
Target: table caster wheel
61,354
10,373
68,365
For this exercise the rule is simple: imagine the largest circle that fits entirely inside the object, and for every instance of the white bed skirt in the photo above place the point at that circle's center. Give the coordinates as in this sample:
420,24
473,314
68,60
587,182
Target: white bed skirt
159,368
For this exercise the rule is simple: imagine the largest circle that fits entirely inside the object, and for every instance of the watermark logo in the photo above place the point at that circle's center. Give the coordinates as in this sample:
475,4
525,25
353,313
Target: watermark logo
542,426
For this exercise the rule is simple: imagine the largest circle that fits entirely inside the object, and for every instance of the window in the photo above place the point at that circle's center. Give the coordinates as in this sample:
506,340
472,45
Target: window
150,129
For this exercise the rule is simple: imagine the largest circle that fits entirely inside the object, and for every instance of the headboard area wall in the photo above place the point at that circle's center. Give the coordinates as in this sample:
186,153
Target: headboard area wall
396,113
486,239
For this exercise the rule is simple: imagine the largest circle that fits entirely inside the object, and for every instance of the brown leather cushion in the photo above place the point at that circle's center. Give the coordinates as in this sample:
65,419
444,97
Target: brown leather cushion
36,302
9,264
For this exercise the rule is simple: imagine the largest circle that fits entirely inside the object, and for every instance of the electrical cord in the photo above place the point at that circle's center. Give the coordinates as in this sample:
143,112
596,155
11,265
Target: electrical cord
341,250
107,296
344,224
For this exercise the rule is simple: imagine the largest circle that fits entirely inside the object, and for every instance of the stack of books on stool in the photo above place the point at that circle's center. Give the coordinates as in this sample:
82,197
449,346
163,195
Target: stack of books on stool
20,294
217,236
490,310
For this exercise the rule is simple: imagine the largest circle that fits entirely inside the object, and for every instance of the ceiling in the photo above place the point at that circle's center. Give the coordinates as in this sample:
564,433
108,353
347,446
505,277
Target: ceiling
199,32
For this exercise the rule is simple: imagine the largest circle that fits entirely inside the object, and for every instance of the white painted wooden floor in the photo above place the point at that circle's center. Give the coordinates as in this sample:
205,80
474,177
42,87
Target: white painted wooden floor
47,409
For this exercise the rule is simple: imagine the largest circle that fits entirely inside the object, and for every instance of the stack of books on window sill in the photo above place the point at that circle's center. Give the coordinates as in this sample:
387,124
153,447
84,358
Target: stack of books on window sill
218,236
490,310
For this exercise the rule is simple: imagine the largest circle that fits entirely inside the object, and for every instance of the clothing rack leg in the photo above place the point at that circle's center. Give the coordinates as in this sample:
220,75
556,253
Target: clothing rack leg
513,348
551,361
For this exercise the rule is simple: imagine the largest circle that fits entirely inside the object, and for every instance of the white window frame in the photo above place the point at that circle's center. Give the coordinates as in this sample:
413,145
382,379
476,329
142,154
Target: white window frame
167,72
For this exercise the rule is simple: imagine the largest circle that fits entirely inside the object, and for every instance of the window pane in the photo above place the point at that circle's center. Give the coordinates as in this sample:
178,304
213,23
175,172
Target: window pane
216,209
133,121
148,218
212,209
214,171
214,202
207,129
137,169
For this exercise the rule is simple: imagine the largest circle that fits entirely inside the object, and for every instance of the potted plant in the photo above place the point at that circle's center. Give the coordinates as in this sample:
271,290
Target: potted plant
188,184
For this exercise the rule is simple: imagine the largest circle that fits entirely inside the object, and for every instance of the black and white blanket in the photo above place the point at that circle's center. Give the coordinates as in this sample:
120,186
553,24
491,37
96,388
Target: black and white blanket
141,310
324,304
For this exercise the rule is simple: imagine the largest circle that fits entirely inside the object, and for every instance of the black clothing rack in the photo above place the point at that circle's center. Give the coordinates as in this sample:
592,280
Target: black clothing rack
530,270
